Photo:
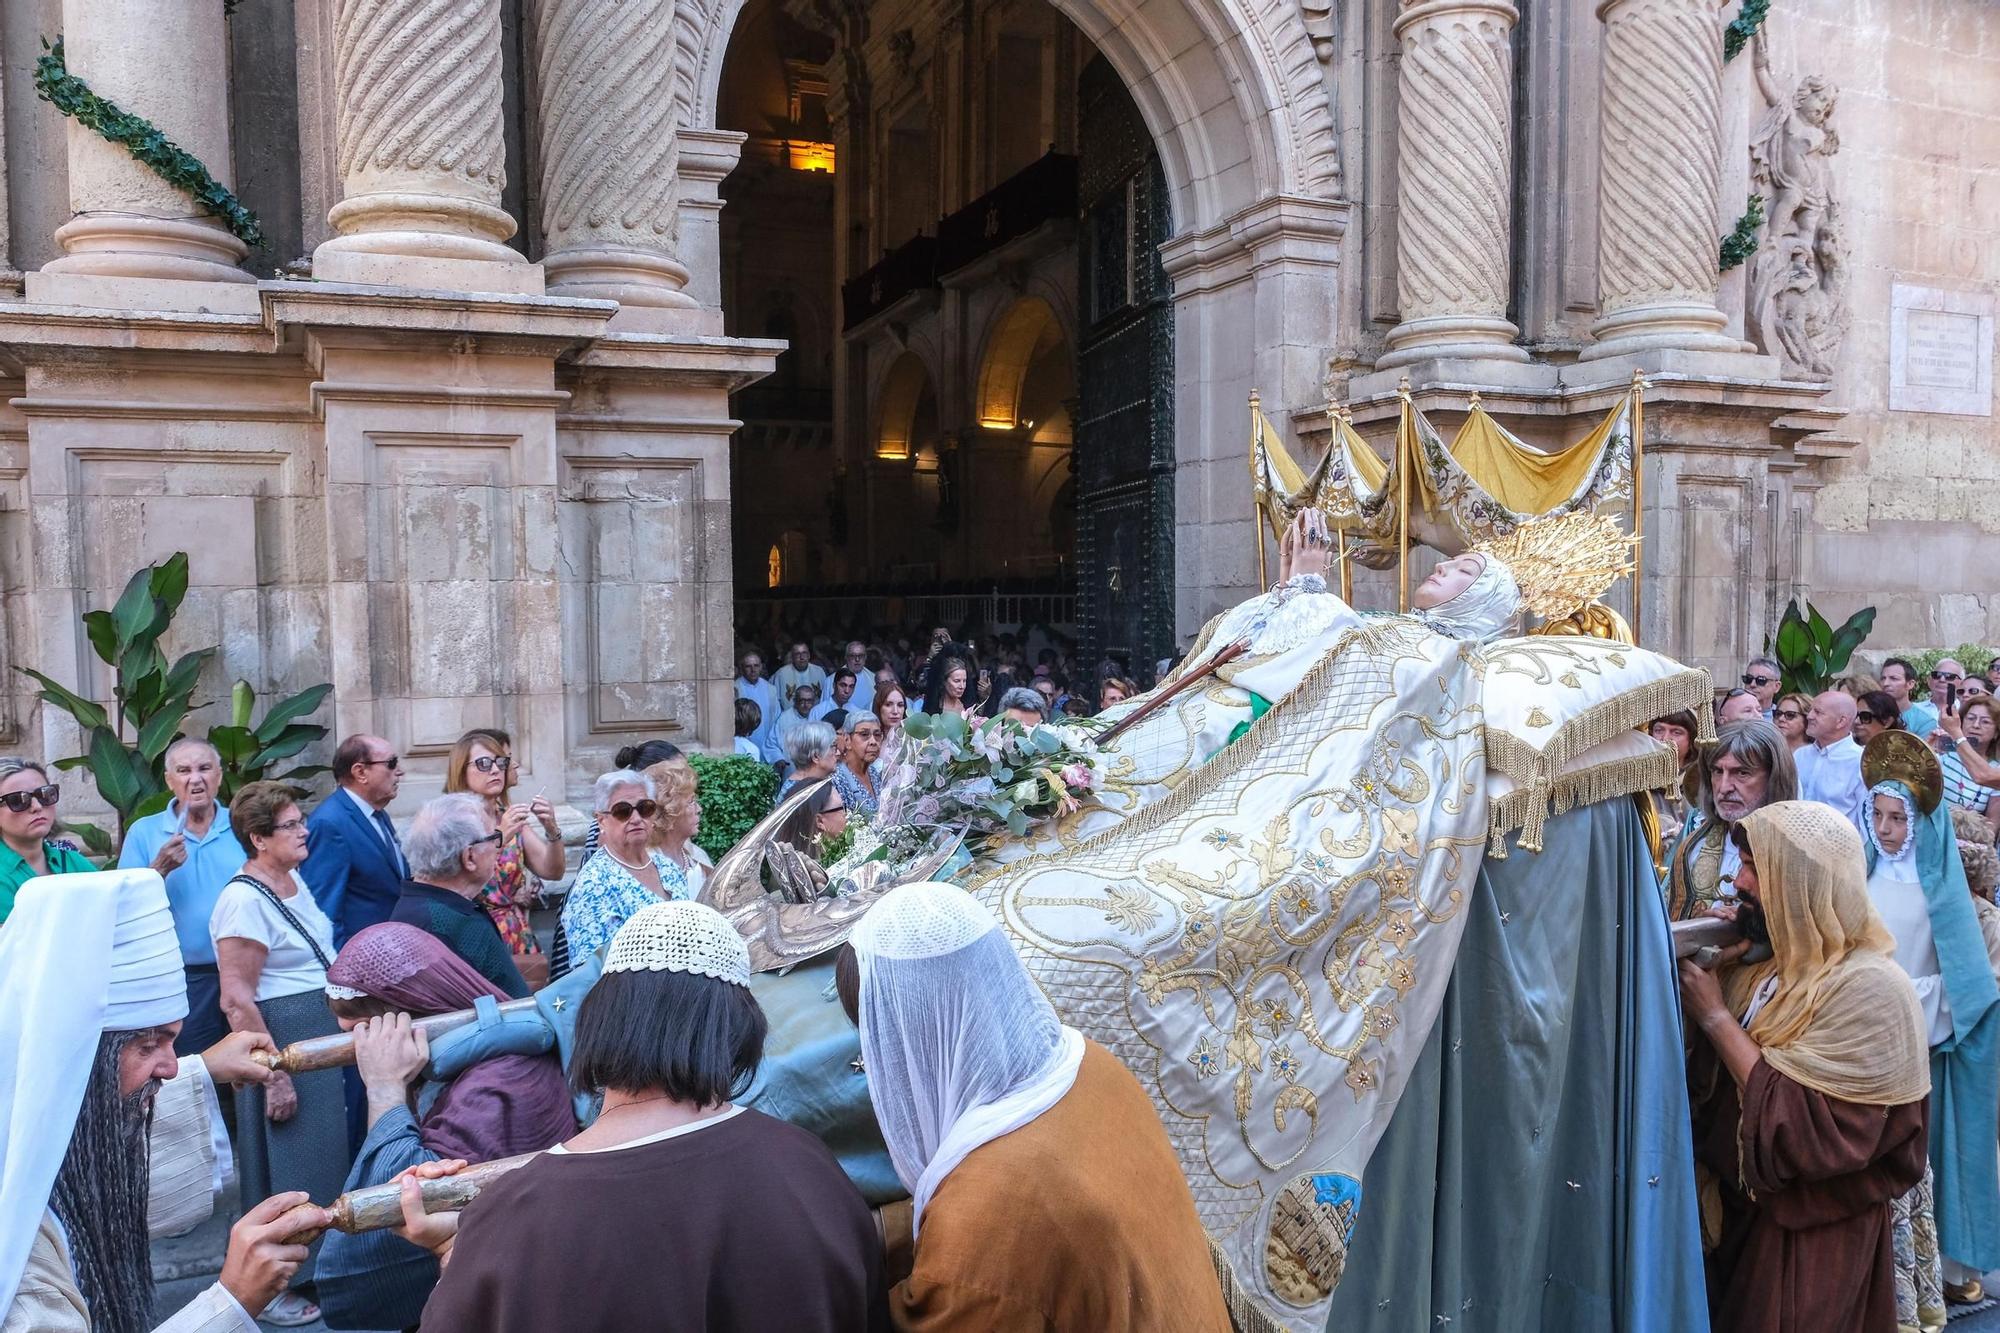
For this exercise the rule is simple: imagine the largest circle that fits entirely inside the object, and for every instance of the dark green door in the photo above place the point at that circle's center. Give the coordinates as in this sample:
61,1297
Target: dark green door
1124,448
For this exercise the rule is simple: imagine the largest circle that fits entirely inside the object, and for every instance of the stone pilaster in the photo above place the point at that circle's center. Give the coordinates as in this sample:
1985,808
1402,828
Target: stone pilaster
1454,182
609,150
1659,181
421,157
163,62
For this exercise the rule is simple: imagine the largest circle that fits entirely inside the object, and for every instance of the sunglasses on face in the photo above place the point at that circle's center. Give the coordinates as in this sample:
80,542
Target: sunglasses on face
1863,715
19,801
494,836
1946,675
488,763
1756,682
1789,714
392,763
625,809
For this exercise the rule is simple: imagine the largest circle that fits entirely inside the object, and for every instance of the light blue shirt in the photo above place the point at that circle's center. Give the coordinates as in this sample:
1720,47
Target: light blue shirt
191,890
1921,718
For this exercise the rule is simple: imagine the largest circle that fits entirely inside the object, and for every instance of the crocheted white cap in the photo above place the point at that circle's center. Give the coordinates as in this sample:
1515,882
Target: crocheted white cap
679,936
336,991
922,921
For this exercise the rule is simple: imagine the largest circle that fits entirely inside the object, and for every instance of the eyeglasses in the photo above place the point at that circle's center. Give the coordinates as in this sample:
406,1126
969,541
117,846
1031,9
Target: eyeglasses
295,822
1757,682
1793,714
1863,715
834,810
494,836
392,763
488,763
624,809
1946,675
19,801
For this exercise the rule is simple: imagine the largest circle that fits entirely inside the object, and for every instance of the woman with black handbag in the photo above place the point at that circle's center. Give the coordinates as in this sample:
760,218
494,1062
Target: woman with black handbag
273,945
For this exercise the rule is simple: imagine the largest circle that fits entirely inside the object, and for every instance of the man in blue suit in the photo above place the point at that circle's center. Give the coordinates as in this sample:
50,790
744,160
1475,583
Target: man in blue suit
354,862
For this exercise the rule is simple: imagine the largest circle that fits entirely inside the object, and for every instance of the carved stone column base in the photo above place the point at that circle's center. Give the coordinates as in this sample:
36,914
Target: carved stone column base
1451,338
133,245
616,273
1693,327
410,239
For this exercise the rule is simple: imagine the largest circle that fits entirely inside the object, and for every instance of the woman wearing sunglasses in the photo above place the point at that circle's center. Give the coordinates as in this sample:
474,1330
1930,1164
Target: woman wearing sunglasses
626,873
1788,715
27,818
531,846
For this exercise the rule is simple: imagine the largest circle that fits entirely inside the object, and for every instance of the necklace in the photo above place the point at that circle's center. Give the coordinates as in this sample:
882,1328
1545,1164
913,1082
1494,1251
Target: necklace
637,870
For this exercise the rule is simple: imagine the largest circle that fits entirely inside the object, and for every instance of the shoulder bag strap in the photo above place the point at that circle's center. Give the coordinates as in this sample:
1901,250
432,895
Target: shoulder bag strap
286,912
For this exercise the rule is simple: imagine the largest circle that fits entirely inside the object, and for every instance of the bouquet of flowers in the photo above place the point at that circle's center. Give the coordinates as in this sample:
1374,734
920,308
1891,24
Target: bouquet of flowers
990,777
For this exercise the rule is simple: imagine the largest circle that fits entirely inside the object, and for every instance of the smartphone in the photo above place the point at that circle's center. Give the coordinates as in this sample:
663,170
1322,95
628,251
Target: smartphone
1951,700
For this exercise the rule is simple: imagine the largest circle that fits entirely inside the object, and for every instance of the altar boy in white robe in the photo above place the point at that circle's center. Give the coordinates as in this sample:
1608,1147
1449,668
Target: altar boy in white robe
106,1138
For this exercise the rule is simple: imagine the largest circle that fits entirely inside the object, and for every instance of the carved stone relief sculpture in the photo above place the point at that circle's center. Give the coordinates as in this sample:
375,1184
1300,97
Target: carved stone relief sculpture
1797,279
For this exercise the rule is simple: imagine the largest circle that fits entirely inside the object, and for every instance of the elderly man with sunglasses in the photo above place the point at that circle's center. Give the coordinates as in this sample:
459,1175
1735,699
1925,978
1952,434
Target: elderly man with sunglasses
354,861
1922,716
27,819
1764,678
451,846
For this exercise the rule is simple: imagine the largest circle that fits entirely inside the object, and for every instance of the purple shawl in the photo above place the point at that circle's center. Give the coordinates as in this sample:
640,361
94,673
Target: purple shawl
499,1107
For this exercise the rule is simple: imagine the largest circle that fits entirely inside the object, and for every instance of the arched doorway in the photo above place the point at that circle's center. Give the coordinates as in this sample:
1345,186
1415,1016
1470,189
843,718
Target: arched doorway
921,145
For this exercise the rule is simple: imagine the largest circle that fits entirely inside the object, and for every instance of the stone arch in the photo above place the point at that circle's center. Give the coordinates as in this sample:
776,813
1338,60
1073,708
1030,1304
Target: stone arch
1022,334
902,395
1231,90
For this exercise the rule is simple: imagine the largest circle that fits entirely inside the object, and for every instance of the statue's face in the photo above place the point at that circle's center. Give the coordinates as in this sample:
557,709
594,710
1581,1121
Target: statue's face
1816,103
1449,579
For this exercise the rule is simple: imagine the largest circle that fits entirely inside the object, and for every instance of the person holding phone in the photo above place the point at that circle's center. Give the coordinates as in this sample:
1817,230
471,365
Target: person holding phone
531,848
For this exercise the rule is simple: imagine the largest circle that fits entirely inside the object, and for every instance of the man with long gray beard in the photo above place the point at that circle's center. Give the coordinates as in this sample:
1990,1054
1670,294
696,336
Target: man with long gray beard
104,1136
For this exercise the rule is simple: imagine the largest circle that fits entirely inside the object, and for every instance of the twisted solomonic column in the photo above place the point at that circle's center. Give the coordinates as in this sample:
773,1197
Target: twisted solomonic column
1454,191
1660,178
610,196
418,126
165,63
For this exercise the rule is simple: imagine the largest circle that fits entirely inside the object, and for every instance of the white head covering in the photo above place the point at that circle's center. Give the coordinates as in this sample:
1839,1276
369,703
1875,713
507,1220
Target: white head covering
1486,610
1897,867
960,1045
81,955
680,936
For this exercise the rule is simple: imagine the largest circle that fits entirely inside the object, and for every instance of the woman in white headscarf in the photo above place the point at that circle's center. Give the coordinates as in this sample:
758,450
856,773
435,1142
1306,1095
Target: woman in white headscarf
1045,1193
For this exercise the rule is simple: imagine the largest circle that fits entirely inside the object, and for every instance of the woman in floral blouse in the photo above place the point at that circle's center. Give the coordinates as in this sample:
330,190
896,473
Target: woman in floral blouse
626,874
531,847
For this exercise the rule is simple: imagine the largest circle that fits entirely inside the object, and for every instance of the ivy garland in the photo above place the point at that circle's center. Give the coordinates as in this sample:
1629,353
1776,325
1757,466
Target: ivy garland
173,164
1740,30
1741,242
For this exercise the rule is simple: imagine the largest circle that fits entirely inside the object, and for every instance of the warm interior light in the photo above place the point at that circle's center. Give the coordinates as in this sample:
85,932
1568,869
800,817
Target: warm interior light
806,155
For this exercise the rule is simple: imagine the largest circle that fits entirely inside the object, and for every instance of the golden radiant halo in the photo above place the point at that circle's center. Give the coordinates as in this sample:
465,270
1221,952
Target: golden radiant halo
1899,756
1564,563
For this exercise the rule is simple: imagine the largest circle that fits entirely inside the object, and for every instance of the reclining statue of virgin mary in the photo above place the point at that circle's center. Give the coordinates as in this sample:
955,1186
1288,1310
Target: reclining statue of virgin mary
1409,1076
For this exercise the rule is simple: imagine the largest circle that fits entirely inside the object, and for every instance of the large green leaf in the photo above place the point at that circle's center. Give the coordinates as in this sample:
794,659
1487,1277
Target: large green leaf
120,779
286,711
134,612
234,744
1794,644
170,581
103,634
287,743
150,805
159,731
94,839
185,674
1822,632
242,703
86,713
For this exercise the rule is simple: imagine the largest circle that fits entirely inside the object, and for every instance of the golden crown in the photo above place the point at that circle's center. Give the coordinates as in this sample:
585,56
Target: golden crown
1562,564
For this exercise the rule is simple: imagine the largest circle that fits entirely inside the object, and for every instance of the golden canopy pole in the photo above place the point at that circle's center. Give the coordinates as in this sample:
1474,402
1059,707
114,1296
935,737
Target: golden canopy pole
1257,488
1404,428
1638,499
1343,418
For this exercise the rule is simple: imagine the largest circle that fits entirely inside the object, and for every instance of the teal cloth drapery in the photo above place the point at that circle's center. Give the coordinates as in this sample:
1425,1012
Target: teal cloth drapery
1538,1172
1965,1070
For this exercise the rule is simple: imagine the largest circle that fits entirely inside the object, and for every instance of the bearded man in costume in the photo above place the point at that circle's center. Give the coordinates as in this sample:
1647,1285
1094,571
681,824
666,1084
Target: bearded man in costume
1749,767
104,1136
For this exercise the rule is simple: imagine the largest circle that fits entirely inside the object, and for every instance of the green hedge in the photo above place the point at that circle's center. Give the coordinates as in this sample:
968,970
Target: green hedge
735,792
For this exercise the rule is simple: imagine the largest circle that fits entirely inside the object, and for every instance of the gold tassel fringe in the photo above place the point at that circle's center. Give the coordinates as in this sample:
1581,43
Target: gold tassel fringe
1246,1313
1529,808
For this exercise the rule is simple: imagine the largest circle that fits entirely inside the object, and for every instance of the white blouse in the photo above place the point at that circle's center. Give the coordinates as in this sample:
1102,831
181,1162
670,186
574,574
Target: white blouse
1900,902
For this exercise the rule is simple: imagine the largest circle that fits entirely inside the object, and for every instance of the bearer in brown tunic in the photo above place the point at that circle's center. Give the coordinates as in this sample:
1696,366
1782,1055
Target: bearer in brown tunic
1045,1194
1809,1093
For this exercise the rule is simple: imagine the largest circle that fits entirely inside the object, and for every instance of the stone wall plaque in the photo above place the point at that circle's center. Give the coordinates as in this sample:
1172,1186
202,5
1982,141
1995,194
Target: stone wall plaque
1940,351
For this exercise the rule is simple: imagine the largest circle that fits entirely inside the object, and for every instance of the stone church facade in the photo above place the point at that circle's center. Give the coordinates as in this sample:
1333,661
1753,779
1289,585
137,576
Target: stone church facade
459,439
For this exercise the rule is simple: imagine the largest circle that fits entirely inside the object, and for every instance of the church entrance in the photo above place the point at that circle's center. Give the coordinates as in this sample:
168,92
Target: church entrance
953,217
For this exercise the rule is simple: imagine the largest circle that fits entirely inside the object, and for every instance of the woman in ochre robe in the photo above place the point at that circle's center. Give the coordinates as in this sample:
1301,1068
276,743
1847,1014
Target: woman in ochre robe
1810,1089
